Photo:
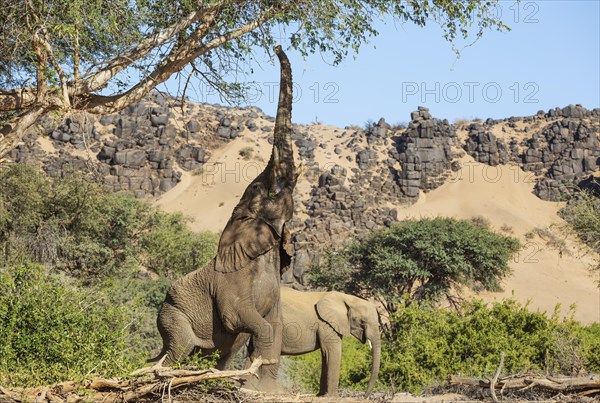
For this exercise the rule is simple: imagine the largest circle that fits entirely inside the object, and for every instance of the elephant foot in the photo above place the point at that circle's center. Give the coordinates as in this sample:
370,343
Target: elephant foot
327,394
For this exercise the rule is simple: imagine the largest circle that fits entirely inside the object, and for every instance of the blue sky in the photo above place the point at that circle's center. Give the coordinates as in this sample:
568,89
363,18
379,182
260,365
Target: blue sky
550,58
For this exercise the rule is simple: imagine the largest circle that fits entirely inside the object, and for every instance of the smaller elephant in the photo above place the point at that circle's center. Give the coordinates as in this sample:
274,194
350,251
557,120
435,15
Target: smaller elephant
319,320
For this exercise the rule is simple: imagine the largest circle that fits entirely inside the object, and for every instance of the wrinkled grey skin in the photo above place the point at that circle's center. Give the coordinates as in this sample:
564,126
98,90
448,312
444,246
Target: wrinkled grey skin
238,291
319,320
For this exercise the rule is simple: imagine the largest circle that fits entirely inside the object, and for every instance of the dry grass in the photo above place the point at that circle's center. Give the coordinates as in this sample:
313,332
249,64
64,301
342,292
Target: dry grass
246,153
552,240
481,222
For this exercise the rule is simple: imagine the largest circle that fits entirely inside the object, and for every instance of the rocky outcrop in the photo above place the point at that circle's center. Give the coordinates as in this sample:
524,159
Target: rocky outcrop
425,152
142,150
483,145
565,153
145,148
343,206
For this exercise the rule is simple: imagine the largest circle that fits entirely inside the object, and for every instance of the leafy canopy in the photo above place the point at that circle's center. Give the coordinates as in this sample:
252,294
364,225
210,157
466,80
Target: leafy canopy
84,54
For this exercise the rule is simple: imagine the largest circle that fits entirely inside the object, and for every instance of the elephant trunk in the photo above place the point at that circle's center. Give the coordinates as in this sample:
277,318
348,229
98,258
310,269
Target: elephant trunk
376,344
282,157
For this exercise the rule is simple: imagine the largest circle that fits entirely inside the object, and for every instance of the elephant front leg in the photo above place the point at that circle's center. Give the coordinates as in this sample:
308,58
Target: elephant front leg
249,320
331,359
269,371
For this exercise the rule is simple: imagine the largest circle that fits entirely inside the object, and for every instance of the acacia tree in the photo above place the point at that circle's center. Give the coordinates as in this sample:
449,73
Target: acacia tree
69,55
425,259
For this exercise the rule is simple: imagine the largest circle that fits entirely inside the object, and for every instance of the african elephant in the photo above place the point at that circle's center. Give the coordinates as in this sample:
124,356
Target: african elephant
313,320
238,291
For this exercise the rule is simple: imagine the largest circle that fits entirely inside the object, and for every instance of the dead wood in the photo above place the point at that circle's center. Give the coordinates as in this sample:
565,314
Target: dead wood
141,384
584,386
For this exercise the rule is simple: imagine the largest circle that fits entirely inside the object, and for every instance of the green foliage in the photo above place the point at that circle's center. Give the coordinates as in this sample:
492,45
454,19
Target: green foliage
101,316
582,212
75,226
172,246
423,258
85,34
428,344
141,298
51,331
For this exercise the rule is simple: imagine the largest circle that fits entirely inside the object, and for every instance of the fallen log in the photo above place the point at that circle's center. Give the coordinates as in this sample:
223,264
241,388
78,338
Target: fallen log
589,385
141,384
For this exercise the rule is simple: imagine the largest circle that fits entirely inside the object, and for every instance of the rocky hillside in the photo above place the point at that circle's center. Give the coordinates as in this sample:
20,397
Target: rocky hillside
355,179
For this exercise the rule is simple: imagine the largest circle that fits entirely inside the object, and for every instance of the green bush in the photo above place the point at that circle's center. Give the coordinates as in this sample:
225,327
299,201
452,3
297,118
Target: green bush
424,259
429,344
51,331
94,310
171,246
75,226
582,212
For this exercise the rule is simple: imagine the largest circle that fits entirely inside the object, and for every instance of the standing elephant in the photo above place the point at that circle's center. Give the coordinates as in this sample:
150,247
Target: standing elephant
313,320
238,291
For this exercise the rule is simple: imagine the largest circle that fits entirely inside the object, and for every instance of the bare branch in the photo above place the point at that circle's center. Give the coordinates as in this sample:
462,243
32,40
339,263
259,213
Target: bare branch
495,378
42,60
17,99
59,71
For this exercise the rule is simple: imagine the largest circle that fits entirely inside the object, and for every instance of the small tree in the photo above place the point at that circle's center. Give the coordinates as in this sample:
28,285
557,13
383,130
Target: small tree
424,259
582,212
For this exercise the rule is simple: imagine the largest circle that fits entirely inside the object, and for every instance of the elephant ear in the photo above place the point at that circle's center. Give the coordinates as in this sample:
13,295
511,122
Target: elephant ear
333,310
243,240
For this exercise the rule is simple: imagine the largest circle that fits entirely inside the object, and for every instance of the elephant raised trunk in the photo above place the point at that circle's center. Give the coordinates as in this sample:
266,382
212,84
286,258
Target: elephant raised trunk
375,340
282,156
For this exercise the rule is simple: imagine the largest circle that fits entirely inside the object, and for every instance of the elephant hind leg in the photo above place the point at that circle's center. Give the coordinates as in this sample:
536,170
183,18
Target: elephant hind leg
178,336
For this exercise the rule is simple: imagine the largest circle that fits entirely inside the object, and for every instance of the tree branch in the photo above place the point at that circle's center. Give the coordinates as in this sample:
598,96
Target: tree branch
17,99
42,60
13,131
176,61
59,71
495,378
118,64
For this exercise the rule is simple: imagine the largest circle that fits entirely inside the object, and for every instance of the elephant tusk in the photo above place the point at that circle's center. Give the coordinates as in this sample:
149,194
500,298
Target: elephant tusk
370,344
